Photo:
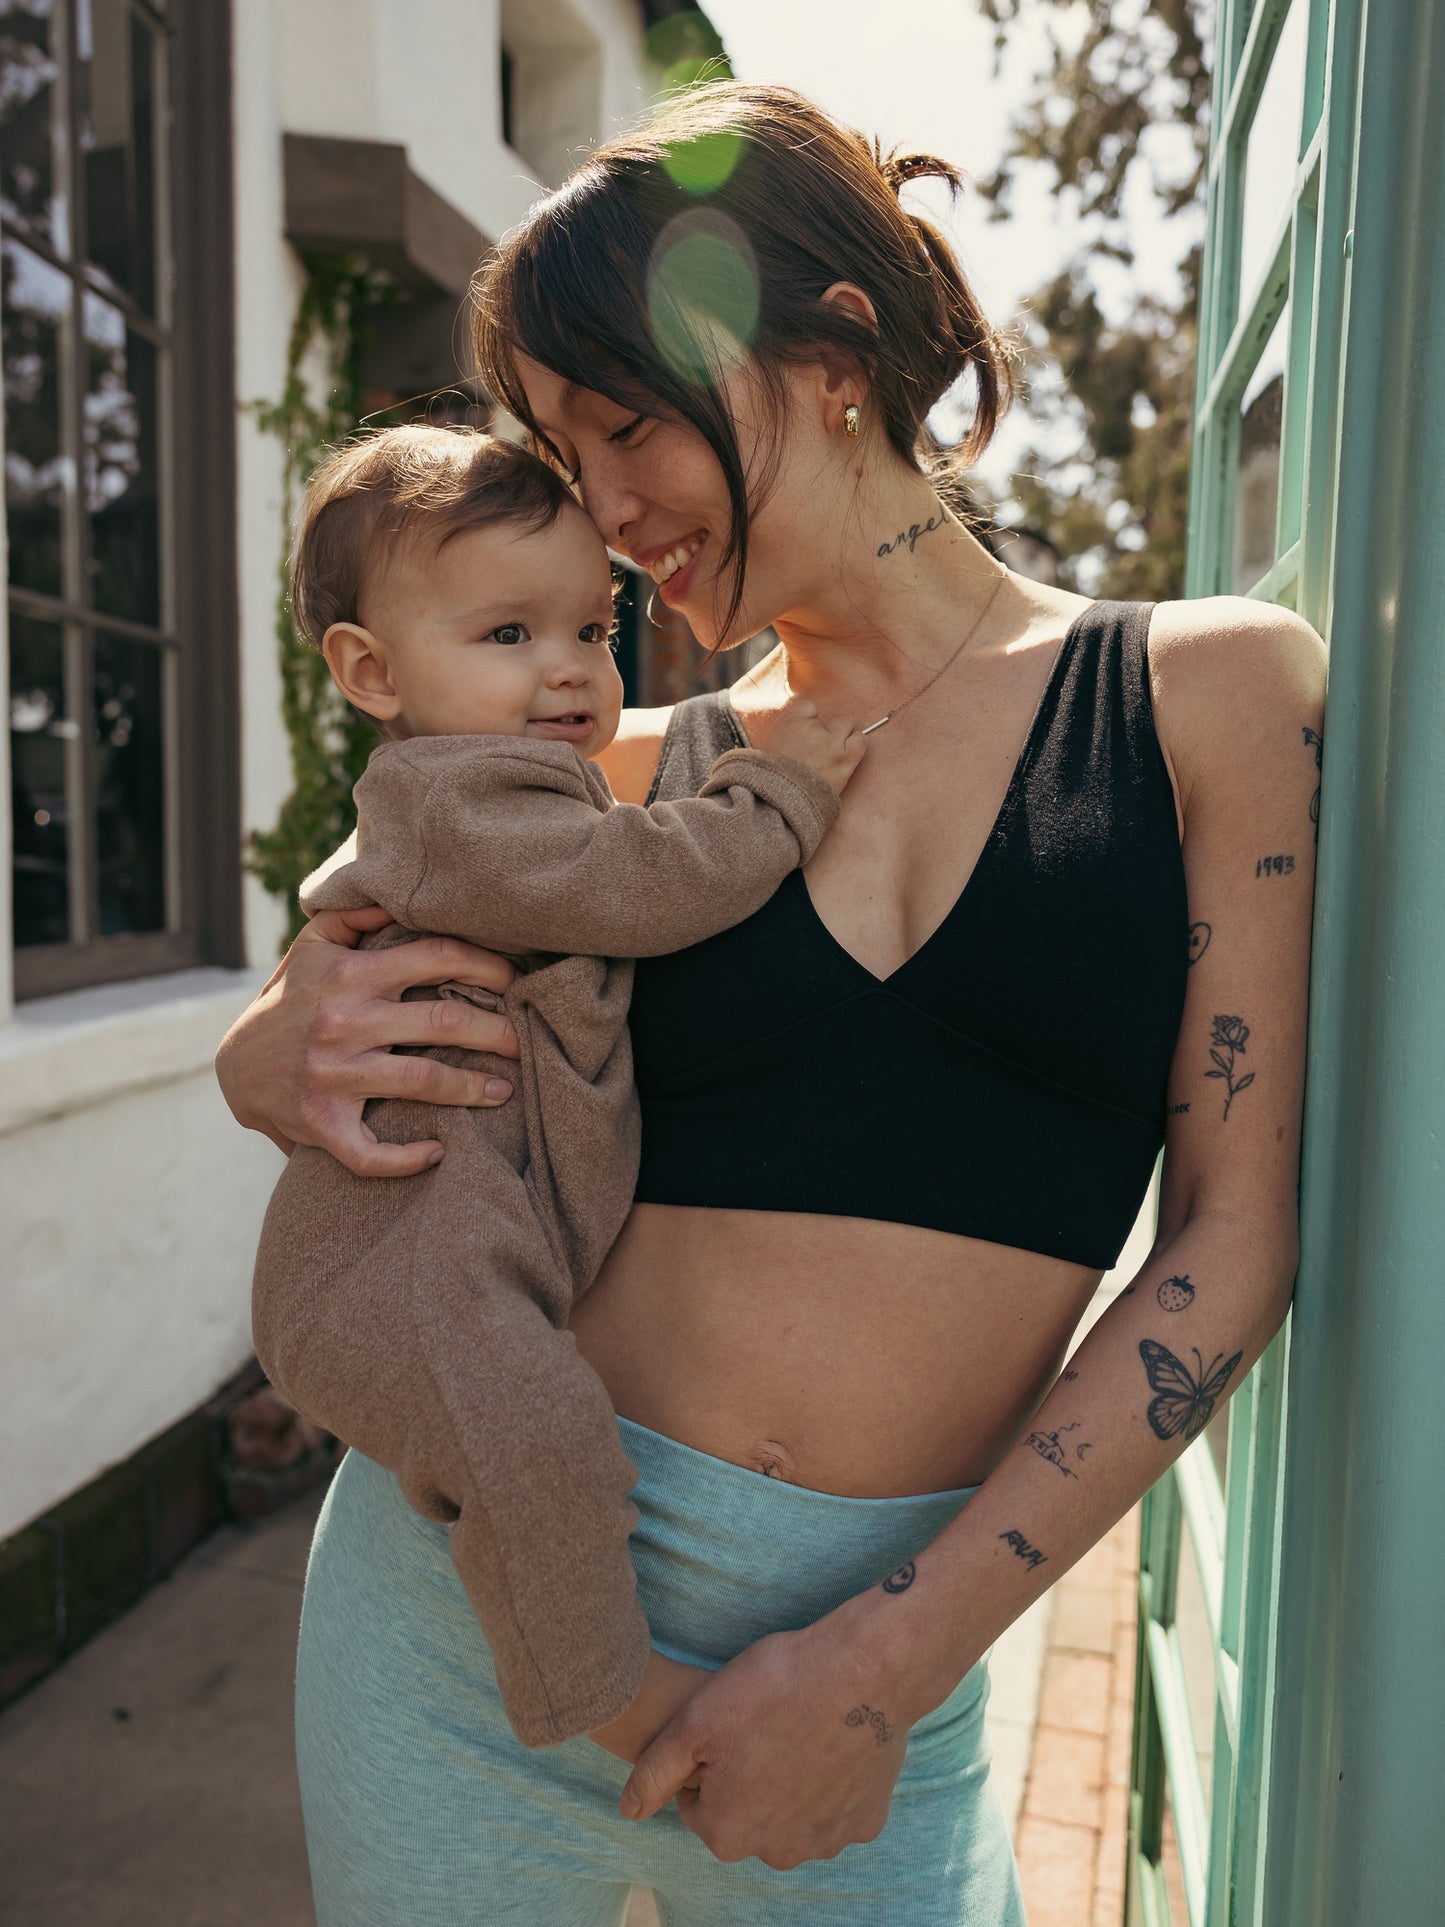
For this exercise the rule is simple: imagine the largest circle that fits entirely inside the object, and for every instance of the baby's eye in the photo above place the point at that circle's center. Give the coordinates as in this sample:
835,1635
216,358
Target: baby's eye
598,632
508,632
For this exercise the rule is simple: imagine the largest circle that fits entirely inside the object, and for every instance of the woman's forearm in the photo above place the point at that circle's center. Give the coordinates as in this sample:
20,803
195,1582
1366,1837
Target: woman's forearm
1164,1357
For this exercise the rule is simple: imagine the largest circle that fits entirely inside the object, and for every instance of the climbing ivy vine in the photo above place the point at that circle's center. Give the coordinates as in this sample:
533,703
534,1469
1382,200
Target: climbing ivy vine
318,406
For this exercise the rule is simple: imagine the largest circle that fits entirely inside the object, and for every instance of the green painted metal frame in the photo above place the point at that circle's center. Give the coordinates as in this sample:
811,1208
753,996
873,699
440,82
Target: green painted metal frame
1233,1525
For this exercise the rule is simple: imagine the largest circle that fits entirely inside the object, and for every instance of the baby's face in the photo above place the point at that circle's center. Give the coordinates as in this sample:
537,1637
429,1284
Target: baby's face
503,632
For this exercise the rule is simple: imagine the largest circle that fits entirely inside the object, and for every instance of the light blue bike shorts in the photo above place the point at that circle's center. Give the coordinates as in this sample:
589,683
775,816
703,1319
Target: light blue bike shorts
423,1810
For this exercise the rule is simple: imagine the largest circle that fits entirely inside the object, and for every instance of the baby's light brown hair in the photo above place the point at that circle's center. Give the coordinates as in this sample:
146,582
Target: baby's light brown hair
406,484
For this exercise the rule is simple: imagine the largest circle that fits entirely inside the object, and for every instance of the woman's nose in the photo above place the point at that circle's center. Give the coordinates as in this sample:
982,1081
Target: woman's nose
609,501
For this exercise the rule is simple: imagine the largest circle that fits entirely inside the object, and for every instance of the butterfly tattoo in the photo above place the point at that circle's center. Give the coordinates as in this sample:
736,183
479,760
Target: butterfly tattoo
1185,1403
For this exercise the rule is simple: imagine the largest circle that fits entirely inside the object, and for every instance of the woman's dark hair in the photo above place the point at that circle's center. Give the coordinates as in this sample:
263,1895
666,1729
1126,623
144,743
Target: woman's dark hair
714,231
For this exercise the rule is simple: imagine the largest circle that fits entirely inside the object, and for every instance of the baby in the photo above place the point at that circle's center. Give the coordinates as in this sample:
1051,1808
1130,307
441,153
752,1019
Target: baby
464,601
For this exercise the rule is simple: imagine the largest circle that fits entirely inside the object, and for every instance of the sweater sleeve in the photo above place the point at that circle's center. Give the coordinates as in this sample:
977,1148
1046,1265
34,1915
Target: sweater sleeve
539,867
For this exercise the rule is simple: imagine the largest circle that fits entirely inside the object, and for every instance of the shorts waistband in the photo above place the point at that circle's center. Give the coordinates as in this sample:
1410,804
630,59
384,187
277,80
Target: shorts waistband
725,1555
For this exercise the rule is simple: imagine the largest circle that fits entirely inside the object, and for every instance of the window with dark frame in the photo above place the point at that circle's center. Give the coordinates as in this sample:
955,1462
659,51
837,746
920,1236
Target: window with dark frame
110,336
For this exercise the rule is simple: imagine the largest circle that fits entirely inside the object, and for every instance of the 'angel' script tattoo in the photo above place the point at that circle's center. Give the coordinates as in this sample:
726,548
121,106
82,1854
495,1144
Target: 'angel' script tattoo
1185,1403
1230,1034
901,1580
906,538
1030,1555
870,1716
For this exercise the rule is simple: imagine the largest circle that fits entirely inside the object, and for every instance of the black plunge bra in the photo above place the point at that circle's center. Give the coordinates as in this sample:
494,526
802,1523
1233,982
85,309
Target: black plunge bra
1007,1081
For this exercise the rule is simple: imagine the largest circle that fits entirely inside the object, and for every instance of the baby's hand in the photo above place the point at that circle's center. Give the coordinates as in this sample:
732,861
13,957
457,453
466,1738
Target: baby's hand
833,749
666,1683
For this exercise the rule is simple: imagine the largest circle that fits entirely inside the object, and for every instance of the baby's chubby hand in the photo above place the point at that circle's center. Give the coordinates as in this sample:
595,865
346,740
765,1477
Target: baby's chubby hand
833,749
666,1684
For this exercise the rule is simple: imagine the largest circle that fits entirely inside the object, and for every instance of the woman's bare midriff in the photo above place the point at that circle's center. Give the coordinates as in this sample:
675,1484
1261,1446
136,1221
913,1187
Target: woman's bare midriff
838,1353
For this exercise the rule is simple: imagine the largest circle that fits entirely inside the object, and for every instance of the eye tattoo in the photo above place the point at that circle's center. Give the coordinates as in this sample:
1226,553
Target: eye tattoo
1230,1034
1199,935
901,1580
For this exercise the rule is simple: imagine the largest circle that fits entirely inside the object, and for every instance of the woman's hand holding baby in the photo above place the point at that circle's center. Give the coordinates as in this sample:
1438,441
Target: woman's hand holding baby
832,749
301,1062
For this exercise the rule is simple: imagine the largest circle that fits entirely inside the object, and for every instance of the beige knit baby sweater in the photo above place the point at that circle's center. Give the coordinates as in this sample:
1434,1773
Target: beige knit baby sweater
424,1319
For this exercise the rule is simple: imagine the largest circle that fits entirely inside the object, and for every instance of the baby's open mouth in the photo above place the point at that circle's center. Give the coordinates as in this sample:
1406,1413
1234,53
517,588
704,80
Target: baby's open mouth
577,722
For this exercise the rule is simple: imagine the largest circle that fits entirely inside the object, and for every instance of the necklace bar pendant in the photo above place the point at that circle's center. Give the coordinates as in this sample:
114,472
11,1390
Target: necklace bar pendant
878,725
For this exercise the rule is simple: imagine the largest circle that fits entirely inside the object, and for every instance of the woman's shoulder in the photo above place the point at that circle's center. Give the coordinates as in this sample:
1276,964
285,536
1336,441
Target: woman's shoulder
1223,672
630,760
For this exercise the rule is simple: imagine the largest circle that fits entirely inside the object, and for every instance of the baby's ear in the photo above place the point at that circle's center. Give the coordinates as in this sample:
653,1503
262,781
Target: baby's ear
358,665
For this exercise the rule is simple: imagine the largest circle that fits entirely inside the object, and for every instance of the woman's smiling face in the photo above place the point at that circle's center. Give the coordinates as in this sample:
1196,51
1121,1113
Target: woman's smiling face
658,495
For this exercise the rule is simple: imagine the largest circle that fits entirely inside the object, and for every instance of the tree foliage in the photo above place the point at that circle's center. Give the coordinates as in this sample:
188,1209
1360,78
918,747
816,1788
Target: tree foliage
1115,503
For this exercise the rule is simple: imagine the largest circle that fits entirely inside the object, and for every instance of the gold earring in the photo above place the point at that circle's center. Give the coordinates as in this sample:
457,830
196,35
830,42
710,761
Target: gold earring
851,419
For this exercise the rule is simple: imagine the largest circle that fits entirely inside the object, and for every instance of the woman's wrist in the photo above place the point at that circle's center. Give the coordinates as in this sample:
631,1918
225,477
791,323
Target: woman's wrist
914,1659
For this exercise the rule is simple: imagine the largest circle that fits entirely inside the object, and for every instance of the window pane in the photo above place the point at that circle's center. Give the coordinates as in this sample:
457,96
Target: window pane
117,144
36,299
39,733
120,465
28,103
1197,1646
1273,149
129,786
1256,489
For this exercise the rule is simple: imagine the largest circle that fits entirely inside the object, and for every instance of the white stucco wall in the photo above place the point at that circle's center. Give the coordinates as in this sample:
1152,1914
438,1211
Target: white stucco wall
438,92
129,1200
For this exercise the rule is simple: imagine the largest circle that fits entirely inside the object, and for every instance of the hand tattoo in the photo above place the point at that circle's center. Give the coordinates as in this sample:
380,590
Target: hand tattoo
870,1716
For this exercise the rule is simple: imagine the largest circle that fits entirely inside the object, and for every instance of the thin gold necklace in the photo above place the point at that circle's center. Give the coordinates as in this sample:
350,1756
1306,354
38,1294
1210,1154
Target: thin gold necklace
973,629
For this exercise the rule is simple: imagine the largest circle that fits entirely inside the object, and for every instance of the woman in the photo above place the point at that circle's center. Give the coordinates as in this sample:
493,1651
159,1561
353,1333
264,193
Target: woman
896,1125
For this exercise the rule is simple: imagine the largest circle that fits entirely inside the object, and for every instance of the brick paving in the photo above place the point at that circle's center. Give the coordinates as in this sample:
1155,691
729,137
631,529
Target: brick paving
1071,1835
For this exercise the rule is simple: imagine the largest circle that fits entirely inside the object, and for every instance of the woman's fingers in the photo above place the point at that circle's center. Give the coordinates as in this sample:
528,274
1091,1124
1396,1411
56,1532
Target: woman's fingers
435,960
422,1080
441,1020
663,1770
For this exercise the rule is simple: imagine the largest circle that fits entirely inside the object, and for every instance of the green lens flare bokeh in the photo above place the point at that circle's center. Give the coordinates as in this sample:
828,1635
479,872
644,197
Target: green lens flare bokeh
702,297
702,164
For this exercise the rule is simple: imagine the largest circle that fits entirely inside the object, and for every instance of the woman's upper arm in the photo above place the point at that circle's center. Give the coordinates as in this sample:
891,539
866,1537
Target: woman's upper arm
630,761
1239,695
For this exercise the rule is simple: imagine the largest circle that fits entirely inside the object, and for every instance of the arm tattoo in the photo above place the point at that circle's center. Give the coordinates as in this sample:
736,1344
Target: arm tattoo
1274,866
1199,935
901,1580
1049,1446
906,538
1030,1555
1313,740
870,1716
1229,1034
1070,1373
1185,1403
1175,1294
